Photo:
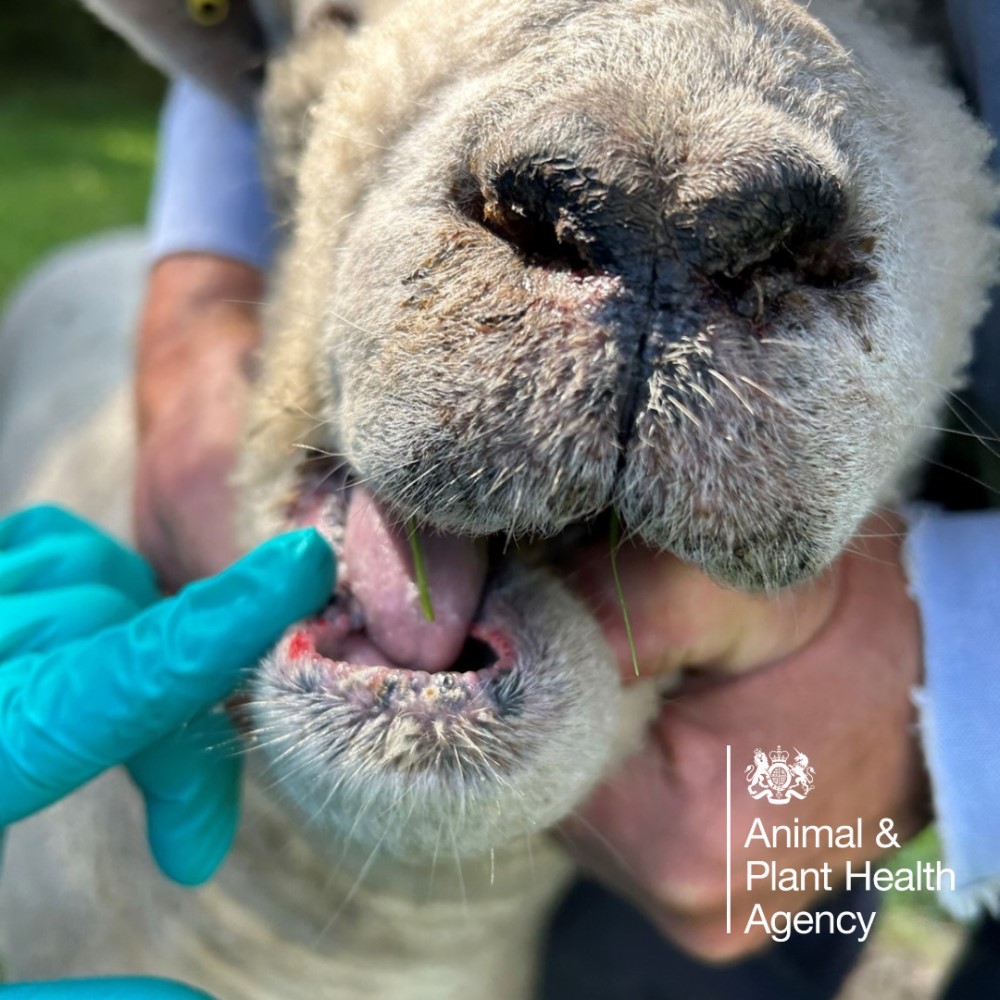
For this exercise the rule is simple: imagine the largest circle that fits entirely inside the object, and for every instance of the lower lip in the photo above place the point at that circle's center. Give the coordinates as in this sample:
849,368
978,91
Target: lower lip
331,641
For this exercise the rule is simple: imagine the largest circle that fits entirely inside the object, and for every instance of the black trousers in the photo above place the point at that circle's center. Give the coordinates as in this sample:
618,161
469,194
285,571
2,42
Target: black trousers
600,948
977,974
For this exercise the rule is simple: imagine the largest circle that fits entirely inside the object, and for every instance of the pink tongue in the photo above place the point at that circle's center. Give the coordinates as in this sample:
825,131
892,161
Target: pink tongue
382,578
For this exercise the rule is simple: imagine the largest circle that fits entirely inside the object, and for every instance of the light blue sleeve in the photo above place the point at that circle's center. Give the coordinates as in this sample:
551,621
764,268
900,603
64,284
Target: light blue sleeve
954,562
208,195
954,569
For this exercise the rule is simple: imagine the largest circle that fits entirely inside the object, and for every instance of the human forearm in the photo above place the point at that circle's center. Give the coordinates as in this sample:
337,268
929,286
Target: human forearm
210,236
197,305
196,342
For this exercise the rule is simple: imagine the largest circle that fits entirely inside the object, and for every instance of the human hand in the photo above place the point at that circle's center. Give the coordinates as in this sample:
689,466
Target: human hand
838,660
198,332
88,679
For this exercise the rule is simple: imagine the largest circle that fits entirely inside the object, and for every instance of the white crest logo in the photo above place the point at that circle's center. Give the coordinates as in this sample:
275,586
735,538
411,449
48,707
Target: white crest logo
772,775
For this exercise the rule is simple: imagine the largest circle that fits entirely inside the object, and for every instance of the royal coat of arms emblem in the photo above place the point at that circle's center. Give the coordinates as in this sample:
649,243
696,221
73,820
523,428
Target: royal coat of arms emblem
780,780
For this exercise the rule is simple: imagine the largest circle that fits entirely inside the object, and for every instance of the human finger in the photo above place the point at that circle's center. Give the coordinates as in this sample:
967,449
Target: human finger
680,617
131,988
190,783
46,547
44,620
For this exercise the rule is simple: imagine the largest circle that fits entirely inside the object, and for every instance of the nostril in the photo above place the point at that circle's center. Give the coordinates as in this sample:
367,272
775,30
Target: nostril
836,265
781,229
787,209
538,209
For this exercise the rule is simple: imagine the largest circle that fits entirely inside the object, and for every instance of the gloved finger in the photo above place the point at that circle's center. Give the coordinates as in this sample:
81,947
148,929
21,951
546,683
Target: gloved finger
99,701
190,781
131,988
23,526
39,621
78,555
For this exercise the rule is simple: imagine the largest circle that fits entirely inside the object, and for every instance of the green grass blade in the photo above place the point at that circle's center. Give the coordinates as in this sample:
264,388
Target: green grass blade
420,570
615,533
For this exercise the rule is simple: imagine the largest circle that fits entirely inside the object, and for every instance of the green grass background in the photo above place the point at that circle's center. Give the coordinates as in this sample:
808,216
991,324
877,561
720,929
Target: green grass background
77,131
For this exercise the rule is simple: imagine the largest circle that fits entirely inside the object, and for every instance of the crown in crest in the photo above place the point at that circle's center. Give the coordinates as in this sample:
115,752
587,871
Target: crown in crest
778,756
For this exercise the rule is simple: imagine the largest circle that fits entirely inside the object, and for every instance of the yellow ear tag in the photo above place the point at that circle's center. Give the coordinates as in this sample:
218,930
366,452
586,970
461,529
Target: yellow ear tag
208,13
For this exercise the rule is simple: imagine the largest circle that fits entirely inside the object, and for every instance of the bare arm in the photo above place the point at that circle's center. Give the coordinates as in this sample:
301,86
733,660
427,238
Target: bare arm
197,336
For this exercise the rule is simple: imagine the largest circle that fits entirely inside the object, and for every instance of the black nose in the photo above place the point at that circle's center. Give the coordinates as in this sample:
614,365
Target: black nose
552,210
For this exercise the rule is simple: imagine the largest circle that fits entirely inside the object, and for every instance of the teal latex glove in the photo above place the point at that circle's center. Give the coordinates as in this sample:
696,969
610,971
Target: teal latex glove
95,671
103,989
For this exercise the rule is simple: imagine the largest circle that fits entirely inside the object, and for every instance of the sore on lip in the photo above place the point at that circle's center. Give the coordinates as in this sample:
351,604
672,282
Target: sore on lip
344,656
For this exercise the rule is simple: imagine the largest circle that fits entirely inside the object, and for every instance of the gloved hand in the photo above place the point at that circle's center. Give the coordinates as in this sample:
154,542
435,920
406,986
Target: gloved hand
89,679
130,988
95,672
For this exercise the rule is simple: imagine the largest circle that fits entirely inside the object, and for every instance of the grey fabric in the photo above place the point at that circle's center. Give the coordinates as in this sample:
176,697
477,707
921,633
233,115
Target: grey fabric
65,346
227,57
975,26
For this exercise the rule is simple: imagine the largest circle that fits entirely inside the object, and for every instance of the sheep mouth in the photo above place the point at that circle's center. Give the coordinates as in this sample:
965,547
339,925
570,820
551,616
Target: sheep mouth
333,656
385,644
368,710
